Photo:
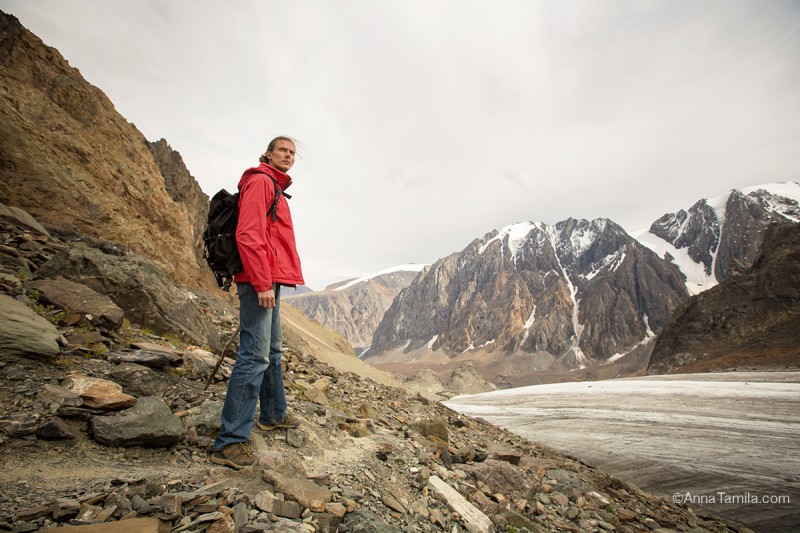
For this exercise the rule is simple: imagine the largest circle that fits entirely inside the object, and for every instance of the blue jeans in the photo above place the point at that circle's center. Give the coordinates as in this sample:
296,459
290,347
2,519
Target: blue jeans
257,373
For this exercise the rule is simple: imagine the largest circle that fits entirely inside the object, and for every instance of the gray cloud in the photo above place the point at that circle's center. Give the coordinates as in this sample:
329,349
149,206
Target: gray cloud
423,125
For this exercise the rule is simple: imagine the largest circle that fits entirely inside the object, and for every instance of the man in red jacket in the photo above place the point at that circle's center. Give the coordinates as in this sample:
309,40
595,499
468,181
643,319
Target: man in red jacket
265,238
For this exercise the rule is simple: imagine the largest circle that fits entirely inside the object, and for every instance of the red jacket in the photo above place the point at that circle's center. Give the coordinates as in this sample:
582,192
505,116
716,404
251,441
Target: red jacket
266,246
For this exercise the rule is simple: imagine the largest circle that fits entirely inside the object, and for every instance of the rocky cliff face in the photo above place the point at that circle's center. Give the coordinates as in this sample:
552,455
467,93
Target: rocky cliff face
184,191
722,235
71,160
354,309
748,321
577,293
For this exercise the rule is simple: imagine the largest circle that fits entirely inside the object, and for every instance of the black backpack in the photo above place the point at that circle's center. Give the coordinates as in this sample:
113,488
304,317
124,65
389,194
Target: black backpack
219,237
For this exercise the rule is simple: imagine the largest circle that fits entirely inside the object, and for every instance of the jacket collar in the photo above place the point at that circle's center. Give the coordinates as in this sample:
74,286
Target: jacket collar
284,180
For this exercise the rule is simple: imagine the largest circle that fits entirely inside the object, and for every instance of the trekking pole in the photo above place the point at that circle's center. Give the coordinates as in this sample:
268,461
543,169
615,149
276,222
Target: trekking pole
221,357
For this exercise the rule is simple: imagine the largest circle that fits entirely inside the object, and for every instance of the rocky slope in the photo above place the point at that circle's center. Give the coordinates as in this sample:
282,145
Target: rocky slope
748,321
354,308
107,427
720,236
69,158
532,297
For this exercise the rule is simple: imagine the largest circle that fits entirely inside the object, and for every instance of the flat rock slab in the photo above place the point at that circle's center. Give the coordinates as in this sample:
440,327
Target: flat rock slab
25,334
149,358
22,218
153,347
473,518
98,393
134,525
98,308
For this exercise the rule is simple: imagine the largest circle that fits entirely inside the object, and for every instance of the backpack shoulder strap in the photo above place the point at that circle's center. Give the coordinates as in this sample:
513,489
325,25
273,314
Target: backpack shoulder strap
274,207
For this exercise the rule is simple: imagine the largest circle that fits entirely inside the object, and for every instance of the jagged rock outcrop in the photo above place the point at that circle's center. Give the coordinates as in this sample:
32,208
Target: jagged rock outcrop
70,159
722,235
580,292
751,320
184,190
356,308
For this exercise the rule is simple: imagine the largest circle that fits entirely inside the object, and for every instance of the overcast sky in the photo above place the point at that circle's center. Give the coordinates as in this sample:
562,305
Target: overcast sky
422,125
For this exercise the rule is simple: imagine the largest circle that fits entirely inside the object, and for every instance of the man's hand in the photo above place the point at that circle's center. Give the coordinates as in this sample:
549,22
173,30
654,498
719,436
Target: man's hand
266,299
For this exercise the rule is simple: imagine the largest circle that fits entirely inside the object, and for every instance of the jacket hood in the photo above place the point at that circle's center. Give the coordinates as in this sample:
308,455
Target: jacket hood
284,180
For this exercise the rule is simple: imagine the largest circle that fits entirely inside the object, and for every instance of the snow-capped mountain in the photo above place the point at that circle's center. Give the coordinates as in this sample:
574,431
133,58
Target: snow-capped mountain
533,298
722,234
355,307
532,295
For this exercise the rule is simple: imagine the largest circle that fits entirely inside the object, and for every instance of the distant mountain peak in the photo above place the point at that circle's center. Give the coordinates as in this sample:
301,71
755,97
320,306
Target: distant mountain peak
409,267
722,232
355,307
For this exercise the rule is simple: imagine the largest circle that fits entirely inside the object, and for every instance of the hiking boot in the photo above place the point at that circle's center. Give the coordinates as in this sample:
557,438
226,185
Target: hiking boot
287,422
237,455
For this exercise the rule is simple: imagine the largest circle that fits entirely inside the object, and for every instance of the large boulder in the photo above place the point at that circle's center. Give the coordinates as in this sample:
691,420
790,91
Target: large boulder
140,288
98,308
24,333
149,423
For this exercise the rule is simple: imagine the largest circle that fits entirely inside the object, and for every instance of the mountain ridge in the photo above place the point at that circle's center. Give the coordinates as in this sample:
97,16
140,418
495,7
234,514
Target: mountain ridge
604,328
526,291
701,241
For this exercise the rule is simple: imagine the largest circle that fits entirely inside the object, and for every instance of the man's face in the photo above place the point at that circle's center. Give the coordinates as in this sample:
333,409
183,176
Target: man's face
282,155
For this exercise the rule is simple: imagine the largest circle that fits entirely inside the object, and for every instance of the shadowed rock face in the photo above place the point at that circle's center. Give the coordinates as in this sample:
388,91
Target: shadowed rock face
71,160
139,288
750,320
580,290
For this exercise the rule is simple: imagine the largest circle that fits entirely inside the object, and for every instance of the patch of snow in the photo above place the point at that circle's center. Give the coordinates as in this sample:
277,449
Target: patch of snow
648,332
433,340
718,204
516,233
531,319
696,278
411,267
582,238
789,189
615,357
576,326
610,262
472,345
528,324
